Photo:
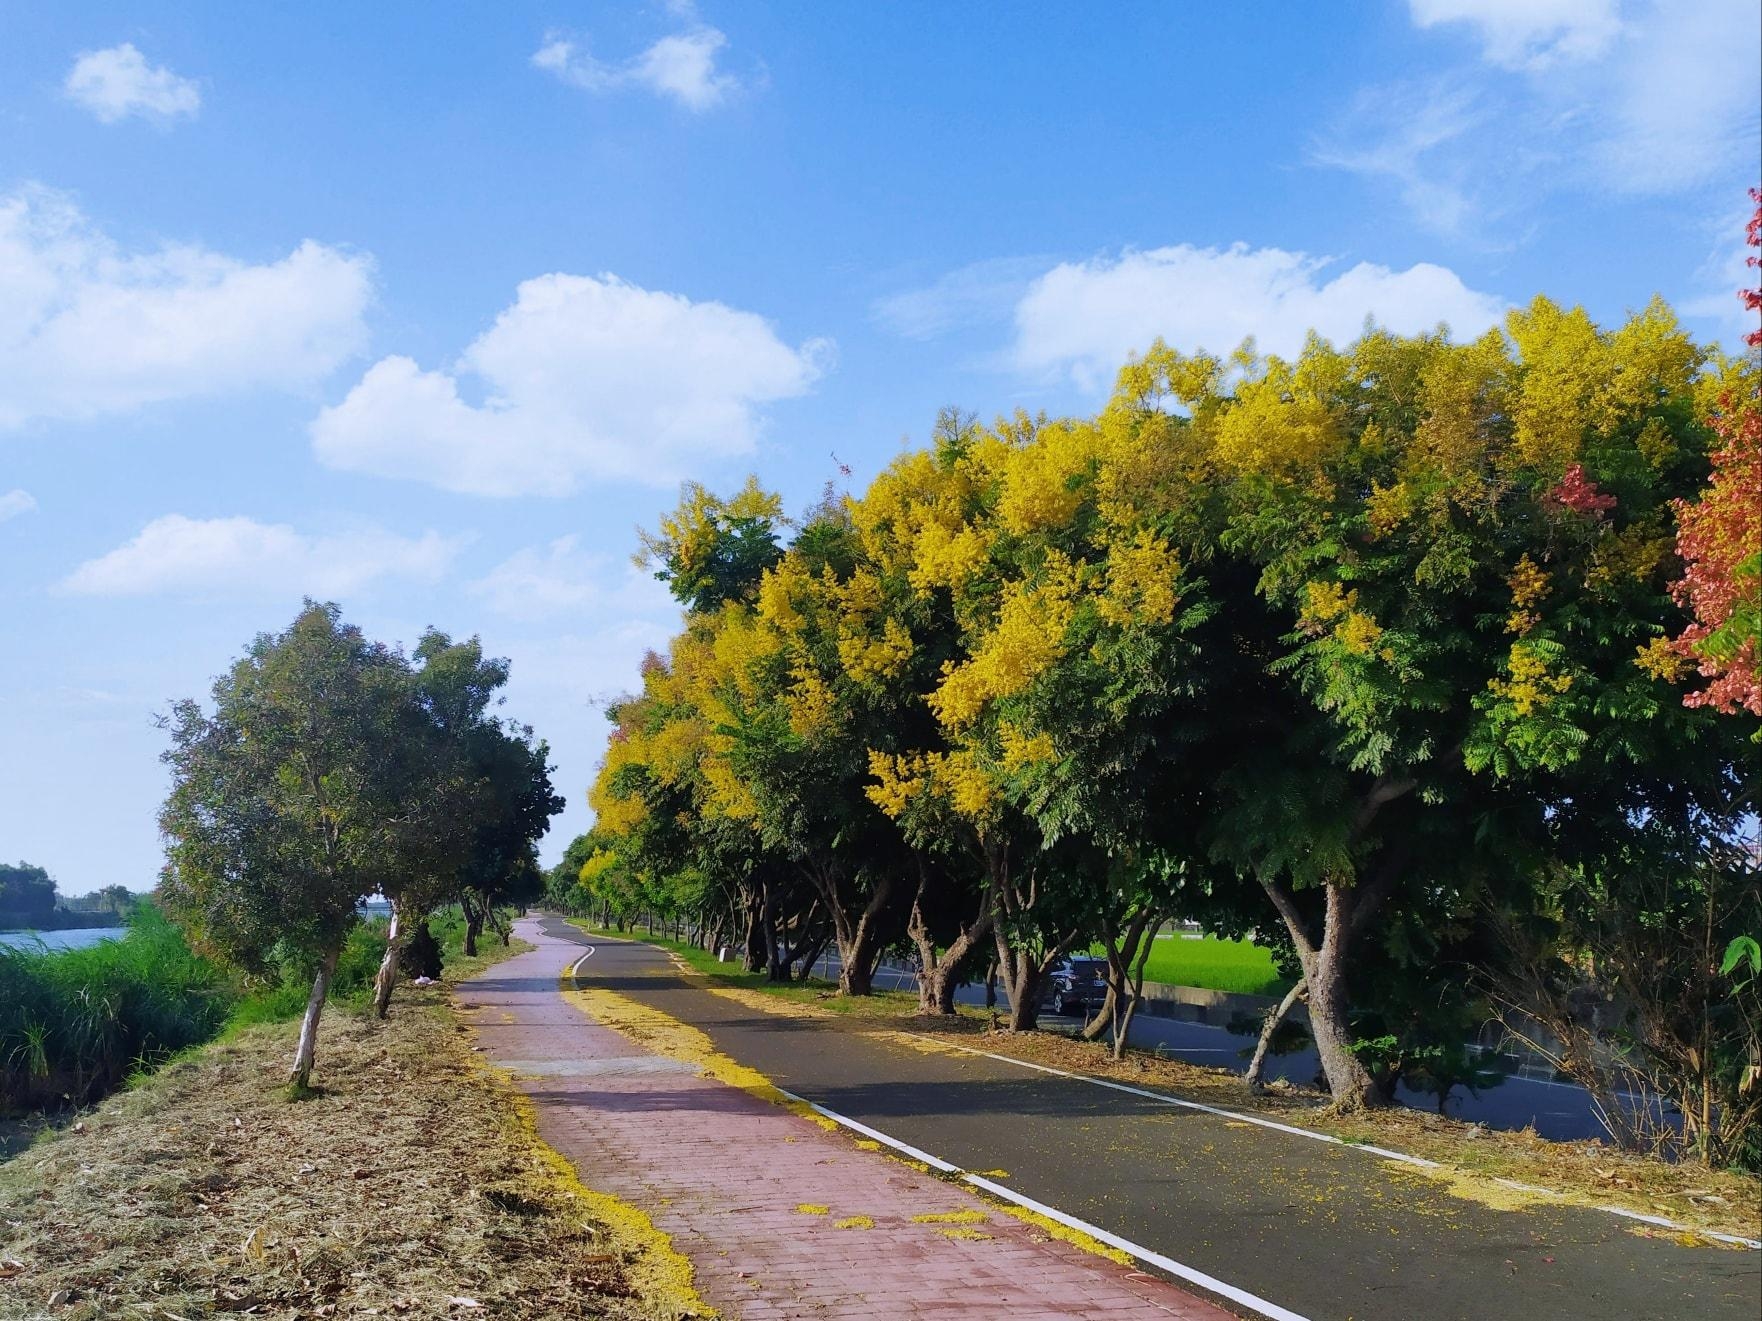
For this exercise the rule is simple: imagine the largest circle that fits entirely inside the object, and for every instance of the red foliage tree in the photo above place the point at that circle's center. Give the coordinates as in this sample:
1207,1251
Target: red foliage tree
1719,538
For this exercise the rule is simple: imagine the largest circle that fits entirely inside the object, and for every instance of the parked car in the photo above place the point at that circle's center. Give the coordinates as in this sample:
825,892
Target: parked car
1076,985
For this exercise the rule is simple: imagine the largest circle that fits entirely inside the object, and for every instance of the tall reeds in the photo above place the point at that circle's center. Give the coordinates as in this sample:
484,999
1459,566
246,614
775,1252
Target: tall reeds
75,1023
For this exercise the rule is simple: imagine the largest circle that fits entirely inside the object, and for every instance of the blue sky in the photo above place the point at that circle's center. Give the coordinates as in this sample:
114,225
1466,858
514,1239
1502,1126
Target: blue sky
425,309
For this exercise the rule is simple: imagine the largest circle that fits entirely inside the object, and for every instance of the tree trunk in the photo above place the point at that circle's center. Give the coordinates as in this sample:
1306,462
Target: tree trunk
776,964
860,941
473,925
936,974
1023,969
307,1049
1141,939
1021,974
1126,952
1325,964
1349,1082
1263,1047
388,966
755,933
809,956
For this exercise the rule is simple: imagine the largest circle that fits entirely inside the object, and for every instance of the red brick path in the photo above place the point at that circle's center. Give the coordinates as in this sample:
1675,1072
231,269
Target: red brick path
723,1172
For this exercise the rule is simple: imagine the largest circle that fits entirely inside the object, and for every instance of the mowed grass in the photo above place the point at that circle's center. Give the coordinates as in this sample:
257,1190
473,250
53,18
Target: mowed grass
410,1184
1238,966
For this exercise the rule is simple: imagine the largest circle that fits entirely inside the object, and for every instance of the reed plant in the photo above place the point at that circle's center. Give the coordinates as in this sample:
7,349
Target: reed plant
75,1023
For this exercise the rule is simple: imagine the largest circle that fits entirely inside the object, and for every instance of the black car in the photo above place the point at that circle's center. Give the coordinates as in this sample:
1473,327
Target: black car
1076,985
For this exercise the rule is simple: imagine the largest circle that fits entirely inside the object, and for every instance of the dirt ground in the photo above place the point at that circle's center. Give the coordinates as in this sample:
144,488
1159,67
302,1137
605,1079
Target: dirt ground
411,1185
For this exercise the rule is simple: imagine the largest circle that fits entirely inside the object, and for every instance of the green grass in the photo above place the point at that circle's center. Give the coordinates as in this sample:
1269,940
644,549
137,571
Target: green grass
1218,965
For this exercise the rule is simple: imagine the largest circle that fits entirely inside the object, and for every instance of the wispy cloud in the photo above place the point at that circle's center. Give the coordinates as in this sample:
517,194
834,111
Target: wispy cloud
16,502
1644,98
561,579
118,83
1528,34
983,293
682,66
1404,134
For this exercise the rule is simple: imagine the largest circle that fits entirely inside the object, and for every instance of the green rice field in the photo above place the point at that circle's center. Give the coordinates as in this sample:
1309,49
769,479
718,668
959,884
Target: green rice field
1219,965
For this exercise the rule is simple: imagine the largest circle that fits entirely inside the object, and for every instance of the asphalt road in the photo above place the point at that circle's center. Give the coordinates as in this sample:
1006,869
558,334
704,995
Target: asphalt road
1560,1111
1323,1230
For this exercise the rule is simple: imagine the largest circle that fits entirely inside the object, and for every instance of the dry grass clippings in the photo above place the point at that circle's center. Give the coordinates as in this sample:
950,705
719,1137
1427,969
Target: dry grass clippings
405,1187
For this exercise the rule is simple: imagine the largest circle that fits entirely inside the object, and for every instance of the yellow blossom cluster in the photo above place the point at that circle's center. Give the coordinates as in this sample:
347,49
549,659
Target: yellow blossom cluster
875,660
1021,750
1529,584
955,778
1028,638
1531,685
1142,586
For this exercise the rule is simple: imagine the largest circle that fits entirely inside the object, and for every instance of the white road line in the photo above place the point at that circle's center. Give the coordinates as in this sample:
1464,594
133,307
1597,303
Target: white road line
1144,1254
1136,1250
1733,1239
1660,1221
904,1148
1165,1099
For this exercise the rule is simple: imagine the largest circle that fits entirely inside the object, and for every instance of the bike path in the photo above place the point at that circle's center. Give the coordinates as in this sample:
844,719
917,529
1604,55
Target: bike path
1324,1230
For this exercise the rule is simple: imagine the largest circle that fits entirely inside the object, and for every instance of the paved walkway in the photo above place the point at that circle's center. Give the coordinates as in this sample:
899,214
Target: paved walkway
738,1183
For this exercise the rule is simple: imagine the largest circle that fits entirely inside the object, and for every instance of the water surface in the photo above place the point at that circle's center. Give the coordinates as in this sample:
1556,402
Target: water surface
76,938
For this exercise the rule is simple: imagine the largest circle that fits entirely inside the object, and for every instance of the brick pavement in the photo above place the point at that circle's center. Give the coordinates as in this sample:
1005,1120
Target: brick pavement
726,1175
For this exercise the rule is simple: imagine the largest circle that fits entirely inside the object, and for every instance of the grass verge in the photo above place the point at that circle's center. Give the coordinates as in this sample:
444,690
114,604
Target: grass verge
412,1184
1473,1159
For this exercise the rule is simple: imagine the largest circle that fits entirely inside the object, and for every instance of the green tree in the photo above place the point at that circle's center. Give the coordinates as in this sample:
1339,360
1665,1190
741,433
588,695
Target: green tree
288,801
27,895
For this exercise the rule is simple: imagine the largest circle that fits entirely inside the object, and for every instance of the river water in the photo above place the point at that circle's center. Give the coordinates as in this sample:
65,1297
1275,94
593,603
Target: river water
76,938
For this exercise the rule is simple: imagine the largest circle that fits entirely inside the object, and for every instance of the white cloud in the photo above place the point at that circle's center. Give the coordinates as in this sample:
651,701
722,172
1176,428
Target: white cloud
562,579
1083,319
116,83
16,502
175,555
86,329
581,377
681,66
1528,34
1682,100
1647,97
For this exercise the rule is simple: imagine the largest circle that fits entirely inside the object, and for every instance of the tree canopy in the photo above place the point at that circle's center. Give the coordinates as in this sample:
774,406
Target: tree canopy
331,769
1334,648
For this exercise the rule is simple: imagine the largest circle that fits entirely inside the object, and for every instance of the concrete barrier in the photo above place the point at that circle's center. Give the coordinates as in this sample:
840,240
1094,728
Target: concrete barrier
1198,1004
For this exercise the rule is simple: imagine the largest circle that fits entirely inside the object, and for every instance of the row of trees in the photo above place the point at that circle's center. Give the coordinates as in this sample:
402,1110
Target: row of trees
332,769
28,900
1380,653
